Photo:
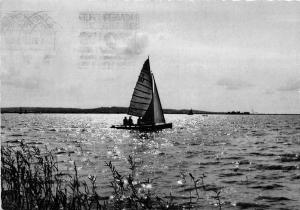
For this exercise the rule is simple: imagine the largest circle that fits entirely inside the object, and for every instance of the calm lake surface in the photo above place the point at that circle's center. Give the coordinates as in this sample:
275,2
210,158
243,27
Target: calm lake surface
255,158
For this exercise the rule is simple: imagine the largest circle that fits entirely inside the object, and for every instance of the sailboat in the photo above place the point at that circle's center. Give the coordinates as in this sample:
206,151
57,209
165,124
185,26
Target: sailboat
145,103
190,112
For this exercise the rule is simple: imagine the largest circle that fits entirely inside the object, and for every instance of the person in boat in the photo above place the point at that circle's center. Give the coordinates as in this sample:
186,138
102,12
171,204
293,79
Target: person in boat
125,121
139,121
130,122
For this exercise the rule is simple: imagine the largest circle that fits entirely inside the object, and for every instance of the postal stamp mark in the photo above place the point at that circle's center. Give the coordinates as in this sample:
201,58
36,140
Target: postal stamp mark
106,38
29,35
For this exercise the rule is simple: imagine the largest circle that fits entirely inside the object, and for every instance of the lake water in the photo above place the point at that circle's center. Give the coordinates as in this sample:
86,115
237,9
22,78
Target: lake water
255,158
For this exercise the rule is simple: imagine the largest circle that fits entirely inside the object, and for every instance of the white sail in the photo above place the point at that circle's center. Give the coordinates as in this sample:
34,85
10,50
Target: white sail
142,94
157,109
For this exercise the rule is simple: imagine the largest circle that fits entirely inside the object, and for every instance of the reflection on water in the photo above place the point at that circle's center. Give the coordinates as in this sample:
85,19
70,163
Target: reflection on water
255,158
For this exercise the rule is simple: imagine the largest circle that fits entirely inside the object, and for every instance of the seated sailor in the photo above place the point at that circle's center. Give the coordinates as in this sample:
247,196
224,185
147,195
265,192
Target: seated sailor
125,121
130,122
139,120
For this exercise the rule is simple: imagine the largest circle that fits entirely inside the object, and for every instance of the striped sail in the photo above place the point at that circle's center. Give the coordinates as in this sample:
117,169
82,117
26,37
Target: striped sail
142,94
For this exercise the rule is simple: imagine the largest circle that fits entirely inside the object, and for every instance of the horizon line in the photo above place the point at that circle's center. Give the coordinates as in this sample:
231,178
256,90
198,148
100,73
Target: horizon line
178,109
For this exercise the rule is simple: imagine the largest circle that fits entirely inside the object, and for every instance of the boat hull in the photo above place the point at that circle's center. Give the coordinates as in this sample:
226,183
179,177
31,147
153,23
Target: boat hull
153,127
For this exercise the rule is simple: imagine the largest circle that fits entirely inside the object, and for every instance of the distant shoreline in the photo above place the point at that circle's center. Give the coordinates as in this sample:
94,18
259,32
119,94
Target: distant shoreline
99,110
112,110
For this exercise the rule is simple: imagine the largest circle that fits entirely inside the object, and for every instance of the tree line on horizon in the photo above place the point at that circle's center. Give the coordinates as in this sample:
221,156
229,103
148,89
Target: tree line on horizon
103,110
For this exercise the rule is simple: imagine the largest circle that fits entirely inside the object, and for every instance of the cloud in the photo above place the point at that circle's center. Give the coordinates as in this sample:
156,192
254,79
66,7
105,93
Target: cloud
28,83
117,44
269,92
292,85
233,84
14,79
136,44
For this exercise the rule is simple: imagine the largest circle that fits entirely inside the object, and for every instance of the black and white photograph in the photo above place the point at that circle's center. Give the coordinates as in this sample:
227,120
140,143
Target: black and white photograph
150,104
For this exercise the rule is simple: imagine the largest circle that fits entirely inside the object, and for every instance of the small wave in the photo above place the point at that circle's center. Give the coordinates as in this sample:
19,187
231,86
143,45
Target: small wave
230,174
179,197
229,181
267,187
244,162
246,205
232,158
64,152
192,154
272,198
275,167
13,141
258,133
212,187
176,143
16,134
261,154
295,177
83,130
210,163
33,143
259,142
208,152
289,157
189,189
269,177
246,182
196,143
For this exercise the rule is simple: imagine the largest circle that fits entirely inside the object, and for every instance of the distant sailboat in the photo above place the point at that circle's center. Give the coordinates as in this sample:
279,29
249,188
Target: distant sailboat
190,112
145,103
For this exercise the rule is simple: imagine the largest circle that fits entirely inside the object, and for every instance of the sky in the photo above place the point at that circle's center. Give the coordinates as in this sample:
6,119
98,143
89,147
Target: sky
212,56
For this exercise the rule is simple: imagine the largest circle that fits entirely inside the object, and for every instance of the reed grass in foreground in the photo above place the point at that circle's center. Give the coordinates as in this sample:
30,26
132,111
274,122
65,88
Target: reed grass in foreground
30,179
